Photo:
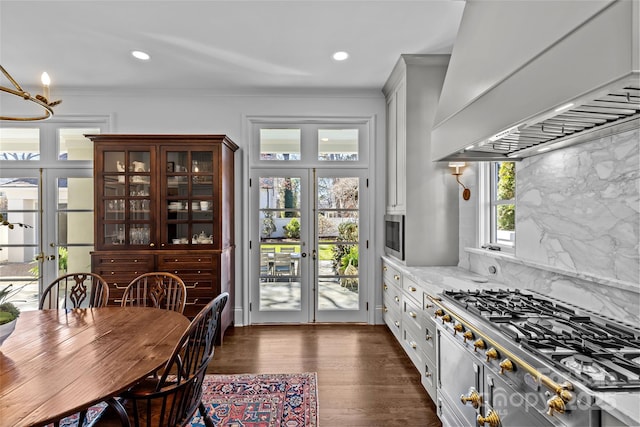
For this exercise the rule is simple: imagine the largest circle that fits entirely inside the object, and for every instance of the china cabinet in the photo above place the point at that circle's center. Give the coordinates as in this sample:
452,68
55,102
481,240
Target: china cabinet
165,203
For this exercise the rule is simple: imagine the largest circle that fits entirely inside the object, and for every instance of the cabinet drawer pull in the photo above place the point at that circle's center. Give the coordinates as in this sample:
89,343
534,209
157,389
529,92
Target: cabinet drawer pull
412,289
412,314
113,260
384,308
427,337
175,260
395,276
175,271
427,374
191,303
397,323
199,259
428,305
413,344
397,299
385,287
191,286
115,285
135,260
385,268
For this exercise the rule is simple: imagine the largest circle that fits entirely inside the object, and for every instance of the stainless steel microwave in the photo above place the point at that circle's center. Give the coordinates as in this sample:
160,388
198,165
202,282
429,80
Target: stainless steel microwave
394,236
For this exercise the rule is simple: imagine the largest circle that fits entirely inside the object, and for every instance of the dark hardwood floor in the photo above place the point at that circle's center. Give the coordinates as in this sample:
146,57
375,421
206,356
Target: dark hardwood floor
364,376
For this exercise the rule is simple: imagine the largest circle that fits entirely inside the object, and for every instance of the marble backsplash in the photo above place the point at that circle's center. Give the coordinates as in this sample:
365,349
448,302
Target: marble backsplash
577,227
579,208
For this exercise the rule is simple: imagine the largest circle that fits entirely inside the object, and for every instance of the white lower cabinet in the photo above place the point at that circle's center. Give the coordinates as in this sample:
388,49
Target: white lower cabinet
410,316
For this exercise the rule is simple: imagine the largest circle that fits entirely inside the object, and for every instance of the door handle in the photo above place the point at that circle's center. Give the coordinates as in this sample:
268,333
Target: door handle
303,254
313,254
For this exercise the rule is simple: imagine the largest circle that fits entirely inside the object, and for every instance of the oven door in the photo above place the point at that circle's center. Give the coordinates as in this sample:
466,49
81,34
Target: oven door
515,408
459,374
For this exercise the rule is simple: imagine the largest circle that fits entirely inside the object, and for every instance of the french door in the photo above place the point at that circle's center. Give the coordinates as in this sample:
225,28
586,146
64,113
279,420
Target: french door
46,183
307,238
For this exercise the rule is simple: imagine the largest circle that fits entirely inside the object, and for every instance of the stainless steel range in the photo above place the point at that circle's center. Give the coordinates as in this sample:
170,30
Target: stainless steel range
518,358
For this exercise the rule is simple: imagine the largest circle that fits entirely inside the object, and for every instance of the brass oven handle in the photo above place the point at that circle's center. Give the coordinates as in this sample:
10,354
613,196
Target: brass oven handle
492,418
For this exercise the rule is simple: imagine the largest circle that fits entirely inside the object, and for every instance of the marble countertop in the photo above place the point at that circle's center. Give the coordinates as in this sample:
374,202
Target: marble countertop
624,406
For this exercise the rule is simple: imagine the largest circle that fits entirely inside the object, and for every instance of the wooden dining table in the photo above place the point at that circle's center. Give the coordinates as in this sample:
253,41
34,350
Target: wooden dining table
58,362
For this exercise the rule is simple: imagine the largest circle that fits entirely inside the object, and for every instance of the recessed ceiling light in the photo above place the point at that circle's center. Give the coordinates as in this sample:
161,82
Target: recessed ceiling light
143,56
340,56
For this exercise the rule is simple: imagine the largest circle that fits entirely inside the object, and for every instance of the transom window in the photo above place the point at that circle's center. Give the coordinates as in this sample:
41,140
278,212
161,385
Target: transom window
310,143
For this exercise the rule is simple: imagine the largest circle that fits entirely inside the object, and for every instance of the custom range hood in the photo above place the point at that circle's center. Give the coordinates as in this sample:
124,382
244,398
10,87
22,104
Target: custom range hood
531,76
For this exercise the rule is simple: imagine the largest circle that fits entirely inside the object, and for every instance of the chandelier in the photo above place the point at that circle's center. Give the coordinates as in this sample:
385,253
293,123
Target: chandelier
41,100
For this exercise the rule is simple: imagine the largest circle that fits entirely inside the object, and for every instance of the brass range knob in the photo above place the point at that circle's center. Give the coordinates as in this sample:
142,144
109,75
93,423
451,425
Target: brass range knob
439,312
492,353
506,365
468,335
479,344
555,404
474,398
457,328
492,418
446,318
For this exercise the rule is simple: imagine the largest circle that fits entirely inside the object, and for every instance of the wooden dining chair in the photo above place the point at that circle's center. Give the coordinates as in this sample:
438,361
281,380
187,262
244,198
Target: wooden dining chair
156,289
173,398
75,290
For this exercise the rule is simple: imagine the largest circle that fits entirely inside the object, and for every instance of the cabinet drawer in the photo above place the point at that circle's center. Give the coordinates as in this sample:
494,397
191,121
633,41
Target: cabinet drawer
411,288
412,314
391,275
392,319
428,379
391,296
204,260
429,334
115,261
410,343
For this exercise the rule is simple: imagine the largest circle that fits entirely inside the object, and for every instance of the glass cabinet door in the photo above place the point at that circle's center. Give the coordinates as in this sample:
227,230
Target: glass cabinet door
188,196
127,198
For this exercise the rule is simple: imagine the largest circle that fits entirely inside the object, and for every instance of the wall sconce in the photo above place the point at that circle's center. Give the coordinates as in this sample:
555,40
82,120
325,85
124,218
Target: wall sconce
466,193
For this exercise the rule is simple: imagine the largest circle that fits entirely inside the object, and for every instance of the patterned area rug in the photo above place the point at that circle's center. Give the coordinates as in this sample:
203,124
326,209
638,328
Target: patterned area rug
265,400
247,400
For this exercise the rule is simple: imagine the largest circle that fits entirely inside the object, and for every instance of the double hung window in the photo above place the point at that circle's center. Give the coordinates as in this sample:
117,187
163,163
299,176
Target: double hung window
498,218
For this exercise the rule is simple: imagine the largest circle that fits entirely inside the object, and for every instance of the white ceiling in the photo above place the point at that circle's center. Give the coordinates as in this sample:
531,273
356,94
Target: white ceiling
221,46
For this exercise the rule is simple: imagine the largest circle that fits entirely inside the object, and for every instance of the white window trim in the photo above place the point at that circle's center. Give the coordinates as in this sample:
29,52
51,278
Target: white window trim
486,221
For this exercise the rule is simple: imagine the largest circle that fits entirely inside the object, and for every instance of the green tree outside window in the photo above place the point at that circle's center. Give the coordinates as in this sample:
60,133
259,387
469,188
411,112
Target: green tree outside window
506,191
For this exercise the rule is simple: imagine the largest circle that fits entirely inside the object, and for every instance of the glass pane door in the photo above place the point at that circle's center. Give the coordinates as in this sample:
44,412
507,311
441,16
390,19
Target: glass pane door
280,288
19,246
306,245
339,230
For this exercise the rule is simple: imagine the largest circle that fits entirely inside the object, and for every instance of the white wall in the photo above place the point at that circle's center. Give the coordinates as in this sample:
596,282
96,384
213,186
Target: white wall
194,112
